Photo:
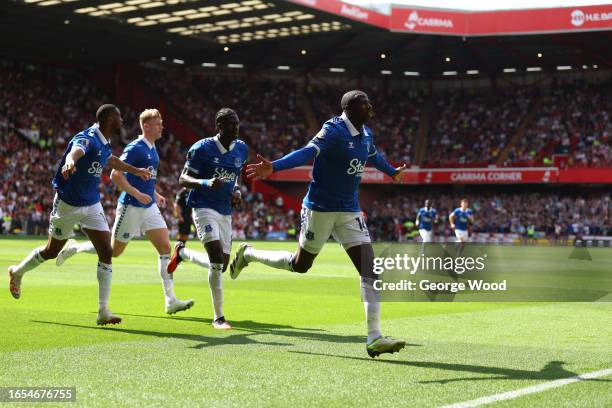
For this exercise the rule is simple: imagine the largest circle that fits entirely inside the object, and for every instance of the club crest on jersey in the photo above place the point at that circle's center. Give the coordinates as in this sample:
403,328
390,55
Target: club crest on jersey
237,162
153,172
83,142
356,167
95,169
58,231
310,236
208,228
126,235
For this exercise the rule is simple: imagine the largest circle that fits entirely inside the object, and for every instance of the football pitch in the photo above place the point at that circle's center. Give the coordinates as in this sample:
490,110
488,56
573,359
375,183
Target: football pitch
298,340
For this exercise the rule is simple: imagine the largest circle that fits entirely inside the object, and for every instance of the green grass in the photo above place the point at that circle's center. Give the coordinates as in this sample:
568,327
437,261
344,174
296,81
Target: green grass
298,339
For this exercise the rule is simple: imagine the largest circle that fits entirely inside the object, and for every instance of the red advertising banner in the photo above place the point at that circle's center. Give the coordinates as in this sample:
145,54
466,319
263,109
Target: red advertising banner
347,10
519,175
501,22
429,21
473,23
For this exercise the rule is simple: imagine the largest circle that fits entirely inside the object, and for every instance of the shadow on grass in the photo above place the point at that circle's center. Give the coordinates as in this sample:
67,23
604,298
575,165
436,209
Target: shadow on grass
553,370
243,333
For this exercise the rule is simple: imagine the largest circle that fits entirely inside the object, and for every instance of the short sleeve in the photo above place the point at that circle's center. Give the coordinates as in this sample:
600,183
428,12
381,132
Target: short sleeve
129,155
323,141
195,158
83,142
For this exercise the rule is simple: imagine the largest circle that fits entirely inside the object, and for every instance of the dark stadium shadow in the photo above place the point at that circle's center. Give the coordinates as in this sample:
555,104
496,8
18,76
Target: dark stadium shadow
204,341
551,371
259,328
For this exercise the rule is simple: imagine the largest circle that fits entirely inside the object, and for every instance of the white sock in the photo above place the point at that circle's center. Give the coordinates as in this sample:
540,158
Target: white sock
196,257
371,303
29,262
85,247
167,282
216,289
275,259
105,275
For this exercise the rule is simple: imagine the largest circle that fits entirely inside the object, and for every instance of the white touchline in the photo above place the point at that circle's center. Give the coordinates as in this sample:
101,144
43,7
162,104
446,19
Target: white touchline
529,390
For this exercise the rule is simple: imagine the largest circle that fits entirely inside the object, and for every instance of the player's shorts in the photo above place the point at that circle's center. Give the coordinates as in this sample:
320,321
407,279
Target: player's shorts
130,221
184,228
348,229
426,235
461,235
64,216
212,226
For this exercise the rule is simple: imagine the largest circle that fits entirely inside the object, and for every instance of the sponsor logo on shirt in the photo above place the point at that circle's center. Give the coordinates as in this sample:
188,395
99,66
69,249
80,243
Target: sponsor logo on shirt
95,169
224,175
356,167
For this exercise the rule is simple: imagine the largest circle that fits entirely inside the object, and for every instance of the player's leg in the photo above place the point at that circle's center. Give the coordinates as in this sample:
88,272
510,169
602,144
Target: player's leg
181,253
315,230
61,222
94,224
351,231
184,229
161,241
32,260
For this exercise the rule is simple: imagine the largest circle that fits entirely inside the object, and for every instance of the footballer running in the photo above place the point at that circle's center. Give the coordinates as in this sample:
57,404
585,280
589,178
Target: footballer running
137,209
340,151
77,201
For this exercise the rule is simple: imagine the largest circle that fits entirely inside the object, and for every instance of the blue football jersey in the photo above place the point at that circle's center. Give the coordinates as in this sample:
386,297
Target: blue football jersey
342,154
83,187
426,218
140,153
208,159
461,218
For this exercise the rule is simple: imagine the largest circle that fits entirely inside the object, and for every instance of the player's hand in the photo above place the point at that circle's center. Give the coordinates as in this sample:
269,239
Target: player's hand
143,173
68,169
143,198
452,226
236,200
397,177
259,170
215,183
160,199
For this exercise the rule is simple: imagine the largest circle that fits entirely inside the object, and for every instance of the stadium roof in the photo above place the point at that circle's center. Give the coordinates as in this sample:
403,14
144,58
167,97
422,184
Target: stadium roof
265,34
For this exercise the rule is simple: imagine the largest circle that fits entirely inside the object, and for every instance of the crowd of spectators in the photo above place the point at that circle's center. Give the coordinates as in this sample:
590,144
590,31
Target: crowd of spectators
471,127
552,214
41,108
574,120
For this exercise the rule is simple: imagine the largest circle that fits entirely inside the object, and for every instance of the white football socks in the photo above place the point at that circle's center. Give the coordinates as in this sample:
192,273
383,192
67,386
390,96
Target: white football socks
196,257
275,259
371,303
87,247
216,289
167,282
105,275
29,262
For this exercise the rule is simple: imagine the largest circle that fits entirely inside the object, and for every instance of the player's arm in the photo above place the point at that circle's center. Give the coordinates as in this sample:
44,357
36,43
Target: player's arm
296,158
69,166
124,185
378,161
417,219
189,179
451,220
116,163
160,199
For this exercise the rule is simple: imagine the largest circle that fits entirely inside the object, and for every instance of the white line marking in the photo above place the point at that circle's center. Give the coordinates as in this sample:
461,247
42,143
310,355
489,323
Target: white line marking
529,390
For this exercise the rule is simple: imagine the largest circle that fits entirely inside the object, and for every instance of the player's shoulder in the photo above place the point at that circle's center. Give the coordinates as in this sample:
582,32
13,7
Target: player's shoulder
241,144
202,144
331,127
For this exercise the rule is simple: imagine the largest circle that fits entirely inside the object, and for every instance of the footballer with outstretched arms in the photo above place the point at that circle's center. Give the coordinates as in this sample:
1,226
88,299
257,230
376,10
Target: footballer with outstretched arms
460,219
183,213
212,172
137,209
331,206
77,201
